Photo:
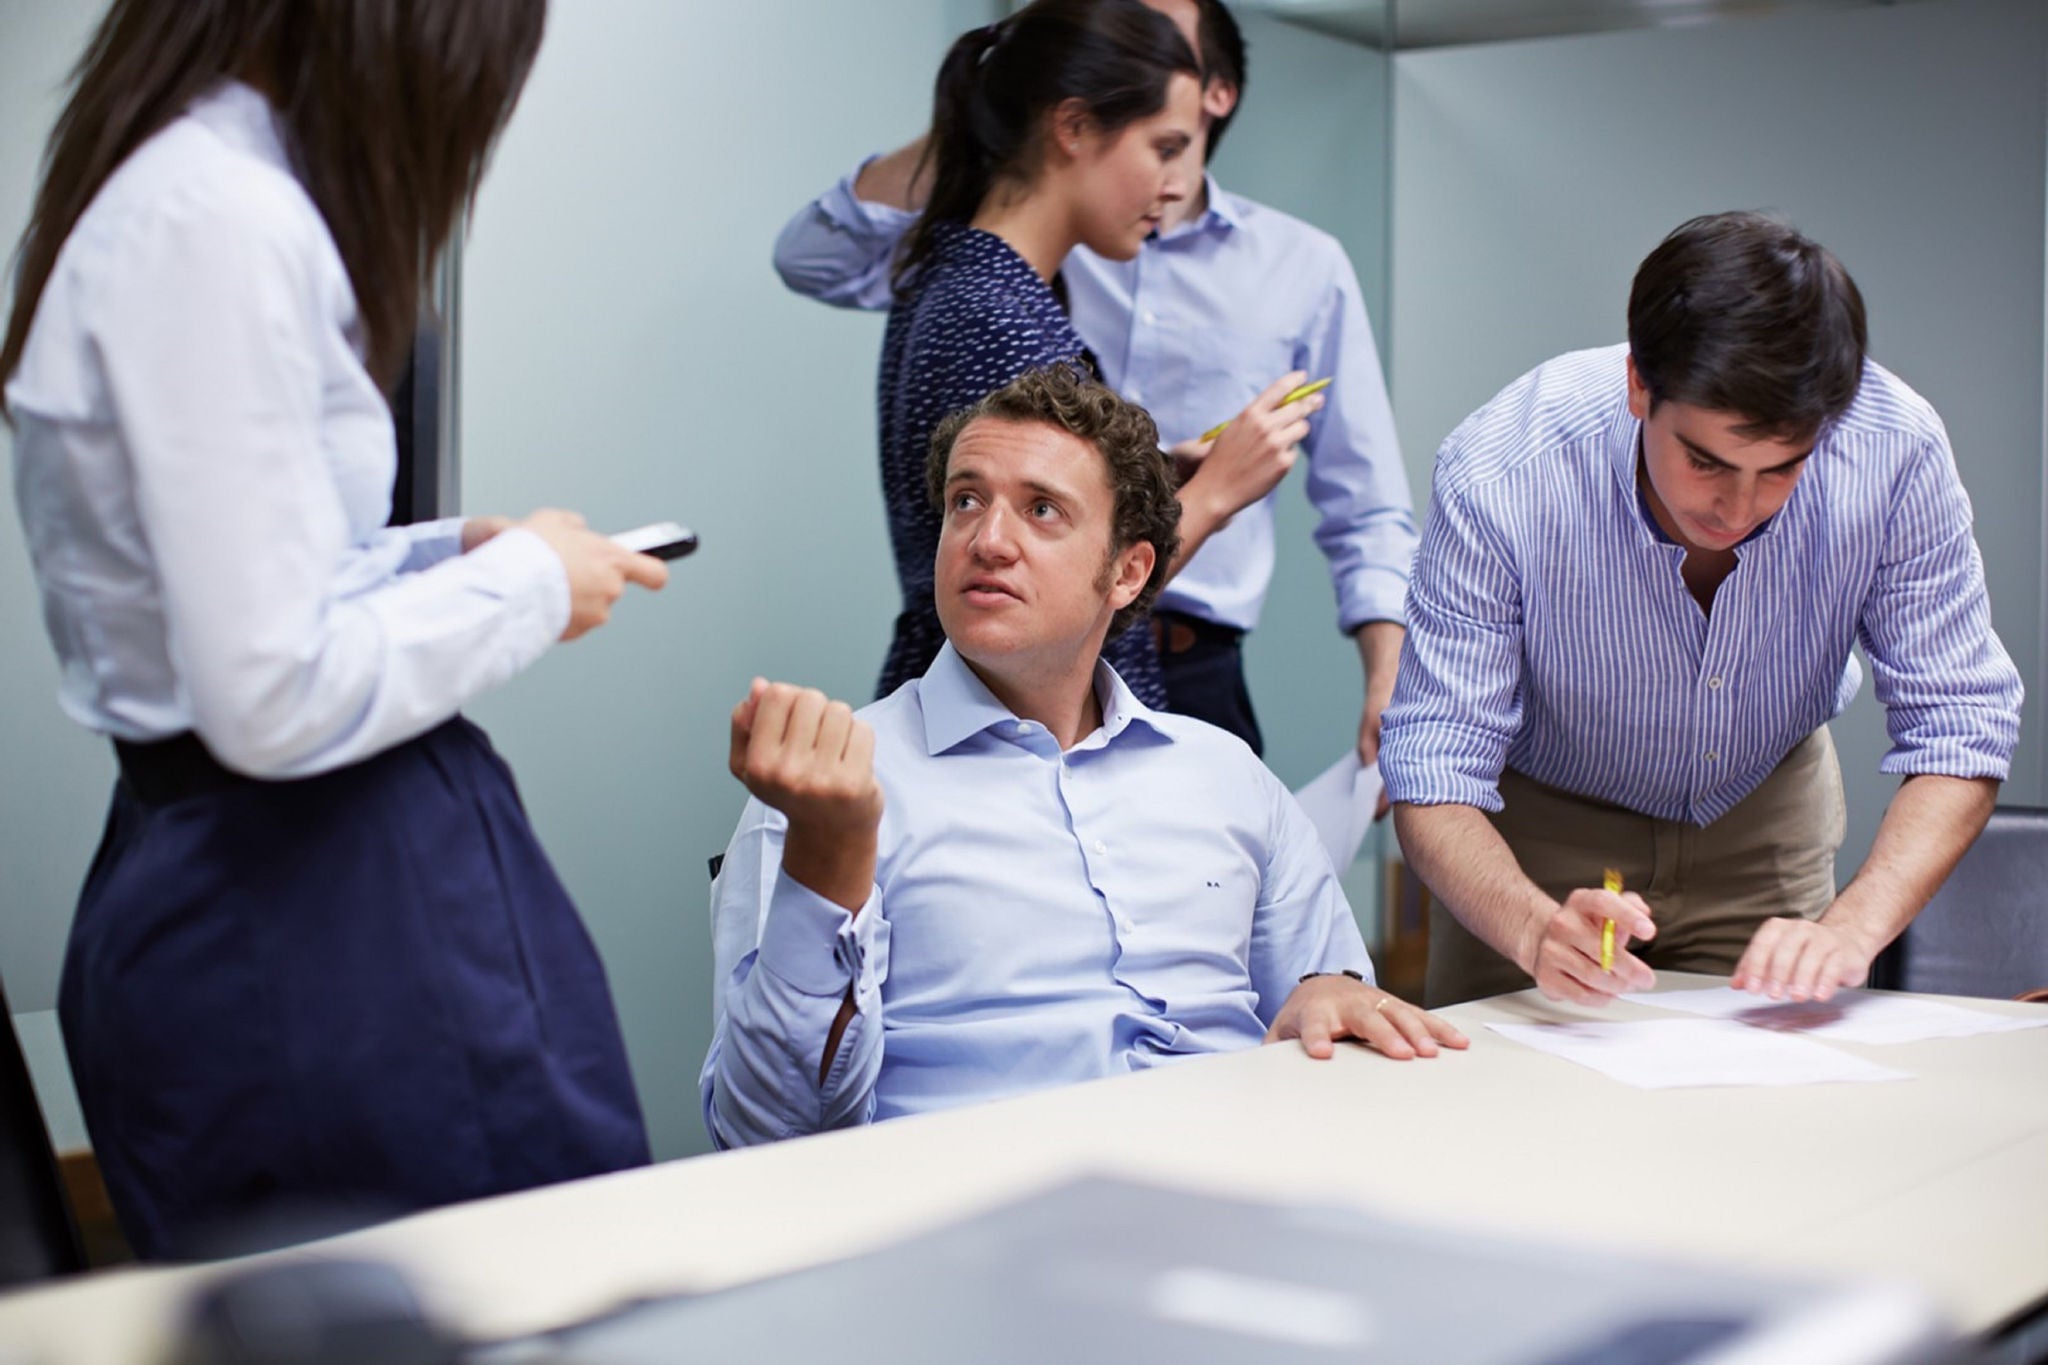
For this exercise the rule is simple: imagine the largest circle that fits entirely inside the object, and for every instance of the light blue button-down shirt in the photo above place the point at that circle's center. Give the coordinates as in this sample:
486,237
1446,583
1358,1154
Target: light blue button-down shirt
1193,329
1038,917
203,468
1550,628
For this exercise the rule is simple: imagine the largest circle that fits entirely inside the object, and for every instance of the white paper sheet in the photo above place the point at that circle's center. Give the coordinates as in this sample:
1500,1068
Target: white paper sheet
1659,1054
1851,1017
1340,802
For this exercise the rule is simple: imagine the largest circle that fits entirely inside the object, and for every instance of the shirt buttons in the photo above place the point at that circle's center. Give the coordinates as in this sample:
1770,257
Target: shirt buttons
1714,683
1713,755
1150,317
1135,395
1101,847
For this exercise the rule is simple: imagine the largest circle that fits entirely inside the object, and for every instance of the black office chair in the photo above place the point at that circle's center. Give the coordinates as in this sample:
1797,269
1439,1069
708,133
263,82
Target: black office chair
1985,933
37,1237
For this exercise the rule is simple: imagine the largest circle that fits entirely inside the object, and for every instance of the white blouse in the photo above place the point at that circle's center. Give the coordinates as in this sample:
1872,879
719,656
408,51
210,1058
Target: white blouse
203,467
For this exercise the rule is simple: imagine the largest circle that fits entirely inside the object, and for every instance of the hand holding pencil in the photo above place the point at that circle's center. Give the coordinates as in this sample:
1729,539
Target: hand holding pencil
1582,954
1238,463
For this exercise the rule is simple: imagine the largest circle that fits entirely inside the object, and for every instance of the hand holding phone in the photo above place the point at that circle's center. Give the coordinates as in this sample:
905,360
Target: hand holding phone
662,539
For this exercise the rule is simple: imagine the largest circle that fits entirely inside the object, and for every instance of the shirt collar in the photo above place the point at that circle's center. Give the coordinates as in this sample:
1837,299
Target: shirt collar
1222,211
240,115
957,705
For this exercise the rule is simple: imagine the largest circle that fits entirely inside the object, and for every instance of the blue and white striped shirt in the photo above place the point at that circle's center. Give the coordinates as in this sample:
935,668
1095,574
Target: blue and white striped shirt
1550,630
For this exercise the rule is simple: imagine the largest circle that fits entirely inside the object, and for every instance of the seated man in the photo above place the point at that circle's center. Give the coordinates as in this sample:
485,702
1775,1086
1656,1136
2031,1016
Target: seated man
1009,874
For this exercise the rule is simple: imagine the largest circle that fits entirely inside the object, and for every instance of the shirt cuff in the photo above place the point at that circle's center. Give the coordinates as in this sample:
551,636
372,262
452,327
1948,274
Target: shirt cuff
1372,596
433,541
1418,781
816,946
525,569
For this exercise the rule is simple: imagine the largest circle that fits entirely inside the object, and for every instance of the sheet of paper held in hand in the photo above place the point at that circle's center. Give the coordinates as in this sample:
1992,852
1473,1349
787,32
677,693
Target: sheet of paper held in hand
1851,1017
1659,1054
1340,802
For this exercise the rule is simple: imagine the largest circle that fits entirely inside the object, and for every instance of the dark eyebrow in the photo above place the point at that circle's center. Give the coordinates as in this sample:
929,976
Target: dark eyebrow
1700,452
1050,493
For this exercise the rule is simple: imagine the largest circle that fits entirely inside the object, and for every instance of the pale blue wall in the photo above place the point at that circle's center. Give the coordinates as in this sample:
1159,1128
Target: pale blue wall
54,777
1530,178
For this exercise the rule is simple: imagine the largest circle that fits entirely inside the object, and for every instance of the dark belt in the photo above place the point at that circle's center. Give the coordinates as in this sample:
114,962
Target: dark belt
1177,633
168,770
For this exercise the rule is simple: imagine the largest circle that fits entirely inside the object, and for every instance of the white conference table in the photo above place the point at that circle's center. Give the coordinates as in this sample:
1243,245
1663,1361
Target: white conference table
1940,1181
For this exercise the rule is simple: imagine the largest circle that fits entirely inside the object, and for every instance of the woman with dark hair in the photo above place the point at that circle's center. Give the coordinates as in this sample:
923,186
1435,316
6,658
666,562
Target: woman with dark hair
1064,124
320,962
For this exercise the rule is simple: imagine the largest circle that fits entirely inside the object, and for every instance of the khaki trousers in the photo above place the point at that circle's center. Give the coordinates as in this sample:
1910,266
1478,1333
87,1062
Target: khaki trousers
1708,889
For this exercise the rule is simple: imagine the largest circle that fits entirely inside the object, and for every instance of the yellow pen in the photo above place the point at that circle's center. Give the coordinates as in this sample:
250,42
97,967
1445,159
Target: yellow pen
1294,396
1612,881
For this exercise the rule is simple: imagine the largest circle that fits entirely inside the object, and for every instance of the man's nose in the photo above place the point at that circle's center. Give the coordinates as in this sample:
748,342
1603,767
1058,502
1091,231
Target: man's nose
993,534
1740,510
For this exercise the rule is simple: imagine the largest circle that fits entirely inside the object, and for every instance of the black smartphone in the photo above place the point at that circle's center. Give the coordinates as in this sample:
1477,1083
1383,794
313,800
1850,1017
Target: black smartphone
662,539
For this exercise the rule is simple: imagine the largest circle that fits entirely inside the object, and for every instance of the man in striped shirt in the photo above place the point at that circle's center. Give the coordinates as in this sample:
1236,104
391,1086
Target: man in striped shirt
1631,619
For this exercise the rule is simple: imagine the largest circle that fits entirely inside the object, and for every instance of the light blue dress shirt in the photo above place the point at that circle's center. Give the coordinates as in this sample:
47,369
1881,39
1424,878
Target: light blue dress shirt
1038,917
203,469
1550,628
1193,329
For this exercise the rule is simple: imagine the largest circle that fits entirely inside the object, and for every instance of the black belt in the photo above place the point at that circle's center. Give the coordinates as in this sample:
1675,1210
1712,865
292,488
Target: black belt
167,770
1176,633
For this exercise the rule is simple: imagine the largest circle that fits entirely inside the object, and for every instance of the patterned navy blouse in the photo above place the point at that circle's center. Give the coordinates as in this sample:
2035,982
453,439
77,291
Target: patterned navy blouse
976,317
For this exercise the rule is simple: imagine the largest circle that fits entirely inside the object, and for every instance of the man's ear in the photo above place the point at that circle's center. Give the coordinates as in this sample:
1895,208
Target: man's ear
1638,393
1133,571
1219,97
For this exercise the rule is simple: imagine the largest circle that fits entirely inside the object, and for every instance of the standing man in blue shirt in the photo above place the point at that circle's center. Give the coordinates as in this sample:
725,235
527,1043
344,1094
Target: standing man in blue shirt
1010,873
1227,308
1631,621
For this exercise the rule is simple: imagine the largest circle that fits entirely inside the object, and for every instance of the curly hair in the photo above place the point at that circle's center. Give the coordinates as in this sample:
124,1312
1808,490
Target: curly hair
1068,399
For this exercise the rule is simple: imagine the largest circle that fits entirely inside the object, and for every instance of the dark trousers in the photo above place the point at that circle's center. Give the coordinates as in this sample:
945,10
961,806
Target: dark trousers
1204,667
346,996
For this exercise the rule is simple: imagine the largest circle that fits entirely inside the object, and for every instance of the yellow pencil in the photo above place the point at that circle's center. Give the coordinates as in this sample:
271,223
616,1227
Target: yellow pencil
1294,396
1612,881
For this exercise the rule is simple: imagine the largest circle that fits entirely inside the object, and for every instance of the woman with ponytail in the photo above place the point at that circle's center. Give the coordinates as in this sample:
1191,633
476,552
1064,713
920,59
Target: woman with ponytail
1066,123
320,967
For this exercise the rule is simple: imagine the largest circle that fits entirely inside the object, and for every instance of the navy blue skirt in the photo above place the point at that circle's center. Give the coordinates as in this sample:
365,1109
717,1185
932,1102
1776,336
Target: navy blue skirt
365,990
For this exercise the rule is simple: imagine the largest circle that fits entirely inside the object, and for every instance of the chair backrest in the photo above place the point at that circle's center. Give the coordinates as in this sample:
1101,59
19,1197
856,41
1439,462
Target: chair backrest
37,1236
1985,933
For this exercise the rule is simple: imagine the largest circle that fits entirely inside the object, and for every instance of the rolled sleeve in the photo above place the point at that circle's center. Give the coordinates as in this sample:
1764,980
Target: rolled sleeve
839,248
1458,696
1356,479
1950,691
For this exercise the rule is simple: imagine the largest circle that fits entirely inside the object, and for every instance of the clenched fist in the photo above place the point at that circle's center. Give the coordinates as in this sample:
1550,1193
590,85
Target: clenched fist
812,759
